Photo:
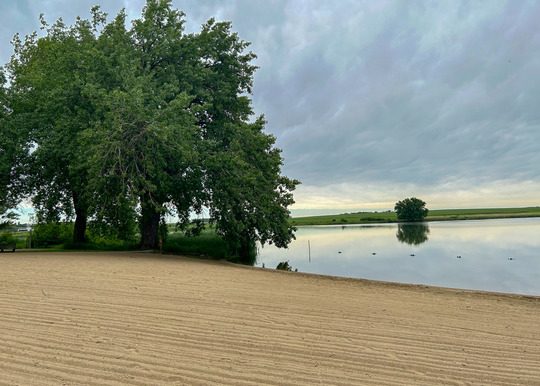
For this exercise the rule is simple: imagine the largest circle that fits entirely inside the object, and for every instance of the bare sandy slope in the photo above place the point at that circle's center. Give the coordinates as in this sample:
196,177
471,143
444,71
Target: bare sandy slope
143,319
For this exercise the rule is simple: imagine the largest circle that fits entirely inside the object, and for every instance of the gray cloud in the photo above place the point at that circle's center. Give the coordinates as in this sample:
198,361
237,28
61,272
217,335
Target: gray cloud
414,104
381,99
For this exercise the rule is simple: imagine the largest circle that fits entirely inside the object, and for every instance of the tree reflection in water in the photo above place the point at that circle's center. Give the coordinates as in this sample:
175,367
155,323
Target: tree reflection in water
412,234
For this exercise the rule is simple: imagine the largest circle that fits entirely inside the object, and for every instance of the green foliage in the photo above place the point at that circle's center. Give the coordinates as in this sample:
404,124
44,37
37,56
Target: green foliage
123,228
101,243
47,93
248,195
59,234
12,155
411,209
284,266
49,234
7,218
7,238
127,125
21,239
207,243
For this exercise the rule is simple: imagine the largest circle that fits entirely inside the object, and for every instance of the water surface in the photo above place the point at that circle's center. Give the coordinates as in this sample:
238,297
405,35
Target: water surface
500,255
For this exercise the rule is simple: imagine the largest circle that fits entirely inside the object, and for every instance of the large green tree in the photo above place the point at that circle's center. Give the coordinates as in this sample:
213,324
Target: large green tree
411,209
48,80
249,196
150,120
144,153
11,152
180,136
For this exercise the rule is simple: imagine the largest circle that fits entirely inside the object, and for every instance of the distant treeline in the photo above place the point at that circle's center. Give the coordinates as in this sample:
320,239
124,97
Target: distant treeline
433,215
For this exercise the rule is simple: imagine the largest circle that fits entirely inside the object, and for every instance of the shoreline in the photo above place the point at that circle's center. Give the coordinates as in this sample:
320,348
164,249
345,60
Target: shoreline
301,273
411,286
113,318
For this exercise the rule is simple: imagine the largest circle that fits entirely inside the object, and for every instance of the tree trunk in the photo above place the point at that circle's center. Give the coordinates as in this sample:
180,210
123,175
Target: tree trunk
79,231
149,225
81,217
246,253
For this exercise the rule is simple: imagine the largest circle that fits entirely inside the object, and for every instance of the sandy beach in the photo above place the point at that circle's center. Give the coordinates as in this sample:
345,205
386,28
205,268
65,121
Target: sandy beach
132,318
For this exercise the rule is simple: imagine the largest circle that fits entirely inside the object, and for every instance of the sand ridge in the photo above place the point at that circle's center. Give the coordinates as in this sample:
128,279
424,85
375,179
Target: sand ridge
120,318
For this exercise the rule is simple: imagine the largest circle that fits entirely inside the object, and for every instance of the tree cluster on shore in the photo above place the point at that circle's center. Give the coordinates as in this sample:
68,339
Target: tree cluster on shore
117,127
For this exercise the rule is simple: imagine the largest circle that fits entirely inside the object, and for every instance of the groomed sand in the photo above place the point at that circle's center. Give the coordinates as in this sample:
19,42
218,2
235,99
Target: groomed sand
148,319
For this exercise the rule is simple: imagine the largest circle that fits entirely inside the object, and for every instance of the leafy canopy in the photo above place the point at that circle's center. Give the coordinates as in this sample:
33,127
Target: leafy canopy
127,125
411,209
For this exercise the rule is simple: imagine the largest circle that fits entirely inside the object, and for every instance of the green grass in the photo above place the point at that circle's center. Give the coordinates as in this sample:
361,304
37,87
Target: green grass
438,214
433,215
346,218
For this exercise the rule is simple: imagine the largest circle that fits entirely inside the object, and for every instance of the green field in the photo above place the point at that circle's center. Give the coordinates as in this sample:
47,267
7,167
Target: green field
433,215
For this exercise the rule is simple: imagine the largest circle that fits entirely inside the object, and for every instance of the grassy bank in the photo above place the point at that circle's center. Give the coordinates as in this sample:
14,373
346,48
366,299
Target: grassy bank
434,215
208,244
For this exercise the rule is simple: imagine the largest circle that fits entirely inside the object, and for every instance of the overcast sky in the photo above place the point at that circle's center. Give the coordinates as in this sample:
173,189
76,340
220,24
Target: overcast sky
375,101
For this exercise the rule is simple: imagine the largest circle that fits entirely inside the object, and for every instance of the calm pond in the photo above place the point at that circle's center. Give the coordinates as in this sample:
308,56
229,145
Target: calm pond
500,255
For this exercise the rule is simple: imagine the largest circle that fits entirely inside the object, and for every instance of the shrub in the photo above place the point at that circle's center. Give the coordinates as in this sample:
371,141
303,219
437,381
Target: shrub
99,239
207,243
284,266
102,232
48,234
7,238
